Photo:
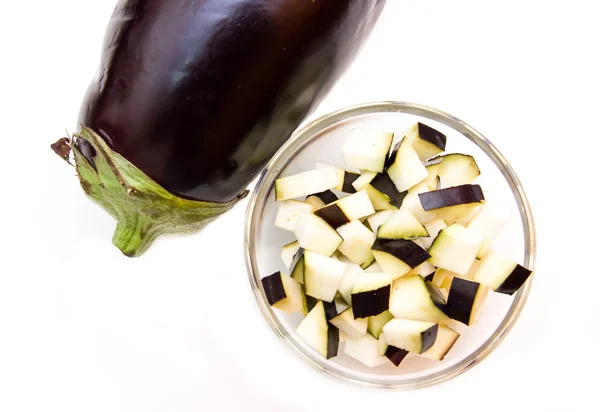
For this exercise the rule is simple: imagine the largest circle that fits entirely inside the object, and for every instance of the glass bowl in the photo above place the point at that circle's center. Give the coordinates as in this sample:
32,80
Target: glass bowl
321,141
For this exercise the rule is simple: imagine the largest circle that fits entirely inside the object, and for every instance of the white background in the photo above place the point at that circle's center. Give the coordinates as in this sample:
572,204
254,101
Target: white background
85,329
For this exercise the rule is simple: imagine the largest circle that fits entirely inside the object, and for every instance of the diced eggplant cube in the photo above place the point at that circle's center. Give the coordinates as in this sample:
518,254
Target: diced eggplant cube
365,350
283,292
371,294
427,141
288,212
465,300
455,249
314,234
305,184
402,225
395,355
367,149
457,169
445,340
501,274
344,210
412,298
376,323
384,184
318,334
357,242
407,169
322,276
380,200
288,253
333,215
398,257
273,287
452,196
353,328
411,335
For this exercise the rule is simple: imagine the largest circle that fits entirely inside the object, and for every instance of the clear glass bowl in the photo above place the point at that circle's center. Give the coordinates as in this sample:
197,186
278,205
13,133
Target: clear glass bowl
321,141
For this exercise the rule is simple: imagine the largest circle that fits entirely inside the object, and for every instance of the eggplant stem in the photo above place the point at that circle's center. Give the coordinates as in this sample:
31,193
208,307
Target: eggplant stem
142,208
134,236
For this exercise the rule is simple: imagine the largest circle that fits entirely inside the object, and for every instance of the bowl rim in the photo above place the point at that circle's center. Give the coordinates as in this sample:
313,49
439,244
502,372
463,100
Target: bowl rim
303,137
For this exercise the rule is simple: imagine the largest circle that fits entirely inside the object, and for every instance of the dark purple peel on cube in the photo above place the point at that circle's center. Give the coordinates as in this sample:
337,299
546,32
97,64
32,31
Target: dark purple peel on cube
273,287
452,196
396,355
514,281
333,215
371,302
405,250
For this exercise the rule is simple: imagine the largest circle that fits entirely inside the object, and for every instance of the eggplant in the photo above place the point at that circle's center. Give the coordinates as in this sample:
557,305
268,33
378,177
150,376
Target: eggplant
314,234
346,209
357,243
411,335
465,300
396,355
371,294
305,184
345,178
283,292
398,257
353,327
415,299
384,184
192,98
453,196
288,211
376,323
500,273
407,170
322,276
427,141
457,169
402,225
380,200
365,350
444,341
455,249
367,149
318,334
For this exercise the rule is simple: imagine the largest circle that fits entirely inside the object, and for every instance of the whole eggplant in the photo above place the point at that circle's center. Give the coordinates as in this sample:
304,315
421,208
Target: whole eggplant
193,97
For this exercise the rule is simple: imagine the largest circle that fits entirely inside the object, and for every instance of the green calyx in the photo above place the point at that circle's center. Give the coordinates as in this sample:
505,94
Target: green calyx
142,208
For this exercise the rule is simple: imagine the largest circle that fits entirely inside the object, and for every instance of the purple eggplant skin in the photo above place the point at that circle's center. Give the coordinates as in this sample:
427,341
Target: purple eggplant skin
200,94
